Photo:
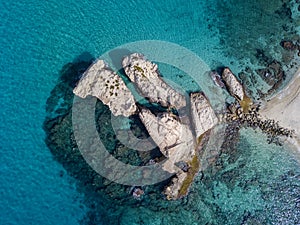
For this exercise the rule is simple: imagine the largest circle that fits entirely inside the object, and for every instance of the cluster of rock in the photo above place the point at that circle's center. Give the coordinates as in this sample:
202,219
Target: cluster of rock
253,119
244,113
203,119
271,71
174,138
178,138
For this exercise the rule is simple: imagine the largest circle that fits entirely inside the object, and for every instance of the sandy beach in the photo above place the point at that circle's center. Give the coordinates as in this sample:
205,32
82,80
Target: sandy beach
285,108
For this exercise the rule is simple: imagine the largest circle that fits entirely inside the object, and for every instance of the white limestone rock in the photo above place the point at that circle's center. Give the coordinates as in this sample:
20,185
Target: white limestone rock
100,81
173,136
174,139
145,75
233,85
203,116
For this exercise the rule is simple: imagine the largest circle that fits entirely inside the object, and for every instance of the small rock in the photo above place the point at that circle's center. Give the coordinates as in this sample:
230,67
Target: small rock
288,45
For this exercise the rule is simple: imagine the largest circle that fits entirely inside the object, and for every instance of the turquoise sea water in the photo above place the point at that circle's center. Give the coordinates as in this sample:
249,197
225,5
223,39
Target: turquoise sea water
38,38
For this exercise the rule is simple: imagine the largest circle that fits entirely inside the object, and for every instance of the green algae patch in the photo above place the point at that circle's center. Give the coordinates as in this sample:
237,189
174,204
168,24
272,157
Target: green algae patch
193,170
139,69
246,103
199,139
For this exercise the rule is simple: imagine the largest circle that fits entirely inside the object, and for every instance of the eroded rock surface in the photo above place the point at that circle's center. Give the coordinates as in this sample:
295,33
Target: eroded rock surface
172,191
174,139
100,81
145,75
203,116
174,136
234,87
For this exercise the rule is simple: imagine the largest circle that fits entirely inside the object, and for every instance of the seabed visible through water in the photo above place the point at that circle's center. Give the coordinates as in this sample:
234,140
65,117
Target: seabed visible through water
45,46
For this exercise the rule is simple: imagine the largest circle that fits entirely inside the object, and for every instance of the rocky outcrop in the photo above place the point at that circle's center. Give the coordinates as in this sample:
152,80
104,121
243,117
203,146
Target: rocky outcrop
145,75
176,142
236,90
172,191
174,136
234,87
174,139
203,116
100,81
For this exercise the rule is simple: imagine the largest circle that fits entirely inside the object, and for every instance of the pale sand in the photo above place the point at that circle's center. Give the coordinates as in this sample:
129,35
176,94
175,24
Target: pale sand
285,108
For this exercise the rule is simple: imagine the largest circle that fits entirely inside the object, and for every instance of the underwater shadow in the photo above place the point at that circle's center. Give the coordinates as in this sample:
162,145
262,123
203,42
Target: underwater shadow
104,199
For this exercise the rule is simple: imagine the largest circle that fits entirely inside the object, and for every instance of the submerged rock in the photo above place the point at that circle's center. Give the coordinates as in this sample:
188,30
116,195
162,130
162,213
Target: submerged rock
217,78
273,75
145,75
100,81
288,45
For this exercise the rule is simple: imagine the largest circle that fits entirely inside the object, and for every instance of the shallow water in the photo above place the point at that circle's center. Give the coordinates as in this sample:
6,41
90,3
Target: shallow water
37,39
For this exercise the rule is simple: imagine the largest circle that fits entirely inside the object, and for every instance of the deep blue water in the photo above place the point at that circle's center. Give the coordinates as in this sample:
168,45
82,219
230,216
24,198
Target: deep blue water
37,38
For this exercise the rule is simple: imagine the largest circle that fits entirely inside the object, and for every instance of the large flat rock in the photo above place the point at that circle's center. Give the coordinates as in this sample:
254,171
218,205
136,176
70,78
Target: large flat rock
100,81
